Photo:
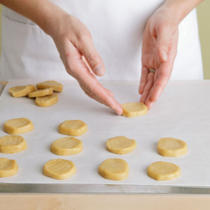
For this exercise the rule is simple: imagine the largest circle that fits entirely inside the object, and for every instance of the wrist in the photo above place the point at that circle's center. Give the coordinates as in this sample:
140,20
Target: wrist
51,20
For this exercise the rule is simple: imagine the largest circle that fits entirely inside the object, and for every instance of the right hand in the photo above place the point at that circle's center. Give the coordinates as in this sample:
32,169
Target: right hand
81,60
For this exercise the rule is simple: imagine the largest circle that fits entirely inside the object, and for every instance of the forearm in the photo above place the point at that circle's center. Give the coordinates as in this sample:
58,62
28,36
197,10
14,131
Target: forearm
42,12
180,8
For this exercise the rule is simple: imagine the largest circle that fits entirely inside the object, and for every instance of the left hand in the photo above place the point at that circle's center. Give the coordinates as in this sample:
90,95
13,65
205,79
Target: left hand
159,50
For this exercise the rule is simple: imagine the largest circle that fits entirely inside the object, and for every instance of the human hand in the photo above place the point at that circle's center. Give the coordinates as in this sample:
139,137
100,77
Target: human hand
81,60
159,50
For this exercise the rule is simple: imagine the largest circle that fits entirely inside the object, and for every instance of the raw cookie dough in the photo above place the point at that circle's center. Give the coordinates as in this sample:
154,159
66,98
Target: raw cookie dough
114,169
59,169
39,93
66,146
20,91
8,167
171,147
134,109
73,127
46,101
120,145
18,126
12,144
58,87
163,171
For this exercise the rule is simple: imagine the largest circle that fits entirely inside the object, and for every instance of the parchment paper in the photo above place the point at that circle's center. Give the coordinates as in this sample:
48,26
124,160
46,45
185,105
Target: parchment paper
183,111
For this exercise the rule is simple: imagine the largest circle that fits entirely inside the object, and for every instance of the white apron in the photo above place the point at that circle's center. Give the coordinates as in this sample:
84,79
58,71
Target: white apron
116,26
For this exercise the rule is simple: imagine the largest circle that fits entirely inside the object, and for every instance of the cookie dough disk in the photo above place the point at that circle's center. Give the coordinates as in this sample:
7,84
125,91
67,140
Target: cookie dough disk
18,126
59,169
163,171
58,87
120,145
171,147
134,109
73,127
39,93
21,91
12,144
66,146
46,101
114,169
8,167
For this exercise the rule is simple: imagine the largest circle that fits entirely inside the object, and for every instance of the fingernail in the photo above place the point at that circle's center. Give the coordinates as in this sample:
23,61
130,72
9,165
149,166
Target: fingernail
99,70
164,56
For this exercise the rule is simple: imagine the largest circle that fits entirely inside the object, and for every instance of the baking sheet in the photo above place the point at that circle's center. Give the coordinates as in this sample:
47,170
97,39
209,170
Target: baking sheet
182,112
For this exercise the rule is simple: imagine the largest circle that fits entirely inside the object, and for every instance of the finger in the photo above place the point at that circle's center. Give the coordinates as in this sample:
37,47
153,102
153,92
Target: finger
143,80
87,48
160,83
147,87
77,68
101,95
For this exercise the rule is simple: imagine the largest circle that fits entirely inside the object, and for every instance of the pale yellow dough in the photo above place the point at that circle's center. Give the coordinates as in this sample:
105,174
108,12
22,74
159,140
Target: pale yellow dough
8,167
59,169
163,171
46,101
42,92
171,147
18,125
66,146
114,169
73,127
58,87
12,144
134,109
21,91
120,145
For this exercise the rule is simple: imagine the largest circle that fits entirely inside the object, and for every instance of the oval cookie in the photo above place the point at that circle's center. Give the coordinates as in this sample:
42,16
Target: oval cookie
171,147
134,109
163,171
12,144
39,93
56,86
8,167
66,146
114,169
120,145
46,101
59,169
18,126
73,127
21,91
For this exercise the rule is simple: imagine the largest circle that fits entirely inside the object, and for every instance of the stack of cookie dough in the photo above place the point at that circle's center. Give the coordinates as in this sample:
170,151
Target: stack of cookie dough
45,93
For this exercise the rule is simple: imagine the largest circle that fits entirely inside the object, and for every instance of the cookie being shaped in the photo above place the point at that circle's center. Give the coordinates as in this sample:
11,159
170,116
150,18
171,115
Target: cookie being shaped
134,109
18,125
46,101
171,147
59,169
66,146
163,171
21,91
56,86
12,144
73,127
8,167
120,145
39,93
114,169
